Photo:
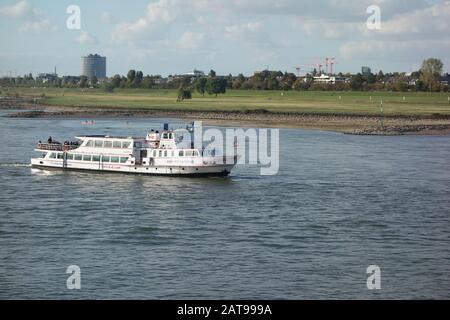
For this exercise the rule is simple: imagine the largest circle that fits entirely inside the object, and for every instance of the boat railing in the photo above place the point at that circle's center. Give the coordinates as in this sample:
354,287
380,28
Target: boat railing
56,147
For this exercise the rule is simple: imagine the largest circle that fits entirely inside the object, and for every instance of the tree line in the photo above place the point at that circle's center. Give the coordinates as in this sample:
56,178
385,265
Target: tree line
425,79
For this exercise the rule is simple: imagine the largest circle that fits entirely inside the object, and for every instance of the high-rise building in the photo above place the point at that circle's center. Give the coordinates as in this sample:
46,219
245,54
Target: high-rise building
366,71
93,65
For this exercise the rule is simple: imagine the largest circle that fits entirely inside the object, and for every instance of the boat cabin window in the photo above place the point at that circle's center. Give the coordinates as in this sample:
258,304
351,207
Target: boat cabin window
90,143
117,145
165,154
125,145
196,153
98,143
181,153
96,158
106,158
160,153
87,157
173,153
108,144
60,156
170,135
53,156
123,160
154,153
78,157
115,159
165,135
69,156
189,153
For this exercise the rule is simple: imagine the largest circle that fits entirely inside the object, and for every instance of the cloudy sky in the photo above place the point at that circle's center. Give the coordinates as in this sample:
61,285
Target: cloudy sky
229,36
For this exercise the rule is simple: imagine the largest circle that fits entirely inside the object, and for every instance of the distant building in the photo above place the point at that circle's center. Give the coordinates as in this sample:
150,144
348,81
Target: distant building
445,79
329,79
47,77
93,65
366,71
196,73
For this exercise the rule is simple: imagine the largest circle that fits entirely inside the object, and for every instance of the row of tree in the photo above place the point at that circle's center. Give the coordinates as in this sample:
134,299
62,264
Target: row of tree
426,79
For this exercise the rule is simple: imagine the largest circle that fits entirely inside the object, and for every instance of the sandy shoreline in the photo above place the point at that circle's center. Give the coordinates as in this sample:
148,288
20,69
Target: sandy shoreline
349,124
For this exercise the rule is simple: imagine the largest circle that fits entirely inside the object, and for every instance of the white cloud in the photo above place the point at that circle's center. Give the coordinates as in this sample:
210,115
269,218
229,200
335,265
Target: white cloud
107,17
158,17
191,40
31,18
19,10
86,38
38,26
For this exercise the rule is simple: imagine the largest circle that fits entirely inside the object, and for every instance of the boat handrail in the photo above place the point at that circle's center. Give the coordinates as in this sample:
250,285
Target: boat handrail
56,147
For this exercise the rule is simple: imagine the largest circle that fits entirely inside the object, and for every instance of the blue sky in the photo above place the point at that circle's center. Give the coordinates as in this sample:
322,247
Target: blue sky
175,36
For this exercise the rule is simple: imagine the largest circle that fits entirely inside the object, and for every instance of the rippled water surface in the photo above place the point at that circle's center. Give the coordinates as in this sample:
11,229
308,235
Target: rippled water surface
339,204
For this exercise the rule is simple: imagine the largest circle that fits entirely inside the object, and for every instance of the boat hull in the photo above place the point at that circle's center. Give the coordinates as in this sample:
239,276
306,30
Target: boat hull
218,170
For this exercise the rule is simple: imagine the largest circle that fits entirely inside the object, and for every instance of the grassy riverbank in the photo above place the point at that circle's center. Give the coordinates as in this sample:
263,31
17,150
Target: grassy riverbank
349,112
319,103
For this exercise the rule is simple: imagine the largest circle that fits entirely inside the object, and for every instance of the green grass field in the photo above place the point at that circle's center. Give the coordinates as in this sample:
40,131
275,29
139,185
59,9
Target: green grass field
361,103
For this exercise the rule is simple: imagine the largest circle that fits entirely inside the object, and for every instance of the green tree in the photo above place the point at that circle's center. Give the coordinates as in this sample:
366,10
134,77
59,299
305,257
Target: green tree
183,94
94,81
217,85
83,81
212,73
200,85
131,76
116,81
357,82
431,71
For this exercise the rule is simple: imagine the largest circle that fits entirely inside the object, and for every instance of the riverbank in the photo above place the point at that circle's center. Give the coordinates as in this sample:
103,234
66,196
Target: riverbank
344,123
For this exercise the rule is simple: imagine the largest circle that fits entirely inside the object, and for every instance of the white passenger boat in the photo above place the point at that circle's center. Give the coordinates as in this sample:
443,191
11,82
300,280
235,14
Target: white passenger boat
158,153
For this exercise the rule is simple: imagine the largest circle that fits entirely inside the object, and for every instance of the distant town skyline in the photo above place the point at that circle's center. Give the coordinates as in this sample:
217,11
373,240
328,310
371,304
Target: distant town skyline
239,36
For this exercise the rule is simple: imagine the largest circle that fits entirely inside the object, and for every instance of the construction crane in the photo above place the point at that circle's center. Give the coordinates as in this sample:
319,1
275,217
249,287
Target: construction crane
330,62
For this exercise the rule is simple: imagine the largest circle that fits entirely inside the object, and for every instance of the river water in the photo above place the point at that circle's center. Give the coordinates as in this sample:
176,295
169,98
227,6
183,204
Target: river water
339,204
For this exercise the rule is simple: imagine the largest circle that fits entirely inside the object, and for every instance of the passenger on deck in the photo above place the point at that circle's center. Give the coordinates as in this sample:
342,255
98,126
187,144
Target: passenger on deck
50,140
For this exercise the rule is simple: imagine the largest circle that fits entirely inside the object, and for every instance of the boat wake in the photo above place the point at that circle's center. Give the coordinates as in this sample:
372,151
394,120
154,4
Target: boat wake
15,165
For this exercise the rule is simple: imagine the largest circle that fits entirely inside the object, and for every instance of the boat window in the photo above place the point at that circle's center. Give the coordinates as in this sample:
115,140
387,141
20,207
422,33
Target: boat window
69,156
165,135
106,158
165,153
173,153
117,144
53,156
96,158
125,145
170,135
196,153
98,143
90,143
60,156
87,157
123,160
108,144
188,153
181,153
154,153
115,159
78,157
160,153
